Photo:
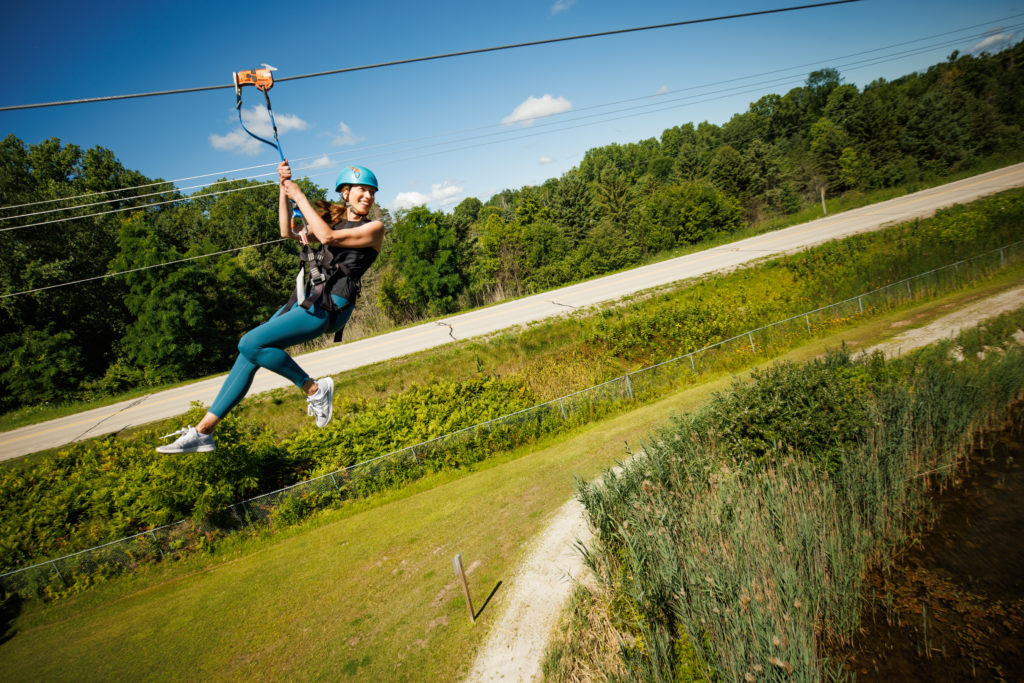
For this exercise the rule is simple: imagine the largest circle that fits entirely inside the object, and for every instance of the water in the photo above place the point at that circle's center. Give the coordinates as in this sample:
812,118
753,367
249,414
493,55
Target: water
952,608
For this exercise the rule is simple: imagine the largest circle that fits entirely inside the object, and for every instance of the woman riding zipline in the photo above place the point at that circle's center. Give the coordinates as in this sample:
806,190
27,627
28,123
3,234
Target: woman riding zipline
351,243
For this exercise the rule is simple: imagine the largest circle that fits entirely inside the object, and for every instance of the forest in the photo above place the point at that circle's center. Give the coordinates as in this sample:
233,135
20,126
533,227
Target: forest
623,205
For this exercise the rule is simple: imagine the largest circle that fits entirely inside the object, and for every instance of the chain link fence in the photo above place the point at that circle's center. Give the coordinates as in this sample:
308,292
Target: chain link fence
476,442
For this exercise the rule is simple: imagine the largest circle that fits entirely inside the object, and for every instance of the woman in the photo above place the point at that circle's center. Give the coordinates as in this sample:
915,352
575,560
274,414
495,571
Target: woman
352,242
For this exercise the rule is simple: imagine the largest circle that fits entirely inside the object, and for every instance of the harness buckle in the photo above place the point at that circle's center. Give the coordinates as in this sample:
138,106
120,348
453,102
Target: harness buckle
317,276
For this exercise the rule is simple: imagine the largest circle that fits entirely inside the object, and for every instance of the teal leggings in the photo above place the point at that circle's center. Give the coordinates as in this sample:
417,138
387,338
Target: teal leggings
263,347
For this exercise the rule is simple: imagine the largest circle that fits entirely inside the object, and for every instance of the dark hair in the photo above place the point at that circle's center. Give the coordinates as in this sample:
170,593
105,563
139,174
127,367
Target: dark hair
331,213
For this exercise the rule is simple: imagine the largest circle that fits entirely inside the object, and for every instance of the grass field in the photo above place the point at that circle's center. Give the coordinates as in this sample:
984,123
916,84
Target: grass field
362,593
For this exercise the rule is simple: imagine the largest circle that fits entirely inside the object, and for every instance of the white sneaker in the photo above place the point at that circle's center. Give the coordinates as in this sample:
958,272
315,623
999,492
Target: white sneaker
321,404
189,441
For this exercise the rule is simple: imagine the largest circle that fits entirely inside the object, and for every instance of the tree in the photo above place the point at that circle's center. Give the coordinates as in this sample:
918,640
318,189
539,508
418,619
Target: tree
729,172
851,170
818,87
501,256
605,249
828,141
426,266
686,214
571,208
613,198
464,215
187,318
763,164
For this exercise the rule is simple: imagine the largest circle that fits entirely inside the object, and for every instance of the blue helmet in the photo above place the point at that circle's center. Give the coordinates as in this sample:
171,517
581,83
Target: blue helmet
355,175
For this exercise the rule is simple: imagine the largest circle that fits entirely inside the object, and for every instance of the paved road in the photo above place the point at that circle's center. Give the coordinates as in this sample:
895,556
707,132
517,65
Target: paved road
429,335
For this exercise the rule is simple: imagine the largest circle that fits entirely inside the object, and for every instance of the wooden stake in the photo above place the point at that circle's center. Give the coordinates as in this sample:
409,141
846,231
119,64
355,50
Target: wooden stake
457,564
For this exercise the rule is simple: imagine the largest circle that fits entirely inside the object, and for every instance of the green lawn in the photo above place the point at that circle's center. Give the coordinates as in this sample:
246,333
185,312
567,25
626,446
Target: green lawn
362,593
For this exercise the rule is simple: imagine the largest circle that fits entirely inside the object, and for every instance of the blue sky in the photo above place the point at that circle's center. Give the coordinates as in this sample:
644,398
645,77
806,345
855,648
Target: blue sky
440,131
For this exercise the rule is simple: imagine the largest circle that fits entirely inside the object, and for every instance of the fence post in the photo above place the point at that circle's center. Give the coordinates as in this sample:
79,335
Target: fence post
751,338
807,319
333,480
910,293
157,541
562,408
461,573
629,387
692,364
56,569
1002,257
860,304
412,450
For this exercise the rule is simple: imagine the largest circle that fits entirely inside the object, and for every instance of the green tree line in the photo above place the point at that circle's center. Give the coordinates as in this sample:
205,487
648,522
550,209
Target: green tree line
623,204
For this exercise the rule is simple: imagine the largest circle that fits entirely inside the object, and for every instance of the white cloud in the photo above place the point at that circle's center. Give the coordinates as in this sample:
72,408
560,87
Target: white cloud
407,200
994,42
257,120
562,5
534,108
322,161
662,90
545,160
446,194
347,137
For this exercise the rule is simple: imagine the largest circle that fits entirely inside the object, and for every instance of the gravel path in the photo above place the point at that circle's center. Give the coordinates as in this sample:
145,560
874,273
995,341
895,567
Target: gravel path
538,593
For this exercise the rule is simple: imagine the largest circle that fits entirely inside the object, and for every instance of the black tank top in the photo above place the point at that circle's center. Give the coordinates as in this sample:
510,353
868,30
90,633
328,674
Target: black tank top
357,260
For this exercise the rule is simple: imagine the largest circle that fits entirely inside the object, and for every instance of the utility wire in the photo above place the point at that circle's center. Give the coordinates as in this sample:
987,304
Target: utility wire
728,92
446,55
507,135
719,96
135,270
134,208
490,126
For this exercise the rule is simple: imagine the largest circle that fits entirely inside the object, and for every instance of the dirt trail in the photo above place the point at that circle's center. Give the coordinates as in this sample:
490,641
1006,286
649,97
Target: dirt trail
530,609
515,645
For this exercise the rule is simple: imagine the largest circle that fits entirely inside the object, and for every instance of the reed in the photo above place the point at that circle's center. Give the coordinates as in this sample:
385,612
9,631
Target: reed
735,546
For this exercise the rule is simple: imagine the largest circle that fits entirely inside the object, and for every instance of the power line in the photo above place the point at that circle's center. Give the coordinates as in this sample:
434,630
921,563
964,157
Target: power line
135,270
446,55
140,187
508,135
717,95
490,126
132,208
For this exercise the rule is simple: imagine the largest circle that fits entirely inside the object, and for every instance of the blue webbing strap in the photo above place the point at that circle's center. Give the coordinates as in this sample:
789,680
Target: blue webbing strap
275,144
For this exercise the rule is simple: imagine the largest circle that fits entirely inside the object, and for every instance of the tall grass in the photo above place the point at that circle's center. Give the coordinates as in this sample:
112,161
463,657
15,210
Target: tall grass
735,546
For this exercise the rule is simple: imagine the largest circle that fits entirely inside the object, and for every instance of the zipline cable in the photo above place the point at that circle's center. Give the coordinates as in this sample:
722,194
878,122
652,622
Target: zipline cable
728,93
489,126
532,134
507,135
447,55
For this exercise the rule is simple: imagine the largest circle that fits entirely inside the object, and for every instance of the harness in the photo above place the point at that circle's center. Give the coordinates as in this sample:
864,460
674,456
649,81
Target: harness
263,80
319,269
